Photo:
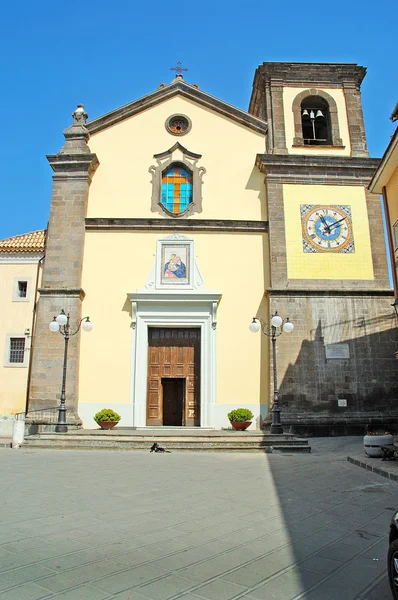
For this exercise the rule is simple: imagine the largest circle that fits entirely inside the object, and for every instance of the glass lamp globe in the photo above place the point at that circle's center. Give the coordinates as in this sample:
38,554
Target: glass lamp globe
254,326
62,319
288,327
276,320
54,326
87,325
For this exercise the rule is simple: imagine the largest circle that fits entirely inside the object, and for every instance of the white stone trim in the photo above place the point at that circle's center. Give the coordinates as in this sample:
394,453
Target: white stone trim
25,258
173,310
194,280
15,296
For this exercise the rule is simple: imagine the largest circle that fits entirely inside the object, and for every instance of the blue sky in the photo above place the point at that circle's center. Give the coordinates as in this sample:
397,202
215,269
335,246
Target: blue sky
54,55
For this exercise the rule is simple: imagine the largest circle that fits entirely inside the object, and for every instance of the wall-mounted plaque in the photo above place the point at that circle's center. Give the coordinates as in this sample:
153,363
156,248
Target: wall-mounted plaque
337,351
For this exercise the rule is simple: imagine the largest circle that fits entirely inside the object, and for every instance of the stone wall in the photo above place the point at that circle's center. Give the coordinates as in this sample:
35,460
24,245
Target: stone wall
310,384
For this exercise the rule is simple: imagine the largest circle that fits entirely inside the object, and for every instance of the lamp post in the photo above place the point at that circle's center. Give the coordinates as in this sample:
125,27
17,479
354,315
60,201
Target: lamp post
61,324
277,327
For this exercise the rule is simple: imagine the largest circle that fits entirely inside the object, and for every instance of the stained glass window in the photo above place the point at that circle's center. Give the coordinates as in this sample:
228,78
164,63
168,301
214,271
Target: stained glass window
176,189
178,125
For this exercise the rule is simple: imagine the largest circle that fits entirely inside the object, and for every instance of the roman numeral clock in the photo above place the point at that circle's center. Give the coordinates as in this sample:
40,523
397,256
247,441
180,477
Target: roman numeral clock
327,228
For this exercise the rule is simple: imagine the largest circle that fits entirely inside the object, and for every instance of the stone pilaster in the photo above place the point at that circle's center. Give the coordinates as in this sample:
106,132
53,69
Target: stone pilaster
277,236
356,125
73,169
278,117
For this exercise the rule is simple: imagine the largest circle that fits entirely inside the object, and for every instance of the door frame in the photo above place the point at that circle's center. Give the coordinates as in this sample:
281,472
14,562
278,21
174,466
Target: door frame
176,310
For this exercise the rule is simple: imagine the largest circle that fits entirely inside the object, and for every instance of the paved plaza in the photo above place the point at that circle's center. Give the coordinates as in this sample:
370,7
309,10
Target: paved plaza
94,525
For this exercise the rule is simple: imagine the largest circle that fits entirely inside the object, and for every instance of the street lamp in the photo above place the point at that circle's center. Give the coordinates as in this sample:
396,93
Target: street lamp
277,327
61,324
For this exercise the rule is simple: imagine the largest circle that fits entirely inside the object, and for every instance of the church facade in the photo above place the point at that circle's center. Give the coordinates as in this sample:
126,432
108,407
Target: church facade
178,218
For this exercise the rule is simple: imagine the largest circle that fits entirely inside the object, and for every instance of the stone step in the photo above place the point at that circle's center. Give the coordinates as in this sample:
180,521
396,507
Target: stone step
257,443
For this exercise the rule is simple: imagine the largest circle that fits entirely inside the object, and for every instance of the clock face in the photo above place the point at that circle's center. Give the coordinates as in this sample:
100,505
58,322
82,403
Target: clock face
327,228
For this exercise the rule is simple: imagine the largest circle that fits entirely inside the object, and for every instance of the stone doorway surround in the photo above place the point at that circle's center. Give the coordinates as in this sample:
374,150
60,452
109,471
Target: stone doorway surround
173,309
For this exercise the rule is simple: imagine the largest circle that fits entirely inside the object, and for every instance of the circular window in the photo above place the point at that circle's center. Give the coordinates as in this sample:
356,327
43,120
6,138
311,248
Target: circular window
178,124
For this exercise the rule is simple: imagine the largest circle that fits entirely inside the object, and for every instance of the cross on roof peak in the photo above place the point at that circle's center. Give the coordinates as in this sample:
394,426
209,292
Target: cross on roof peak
179,69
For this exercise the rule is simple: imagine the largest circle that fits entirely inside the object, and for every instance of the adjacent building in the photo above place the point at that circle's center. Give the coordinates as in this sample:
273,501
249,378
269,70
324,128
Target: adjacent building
20,262
385,182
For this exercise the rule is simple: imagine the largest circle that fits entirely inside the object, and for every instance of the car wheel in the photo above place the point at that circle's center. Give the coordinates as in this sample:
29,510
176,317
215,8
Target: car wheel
393,568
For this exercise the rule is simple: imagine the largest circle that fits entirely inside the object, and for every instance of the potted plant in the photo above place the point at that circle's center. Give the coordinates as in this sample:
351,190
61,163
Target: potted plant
373,441
240,418
107,418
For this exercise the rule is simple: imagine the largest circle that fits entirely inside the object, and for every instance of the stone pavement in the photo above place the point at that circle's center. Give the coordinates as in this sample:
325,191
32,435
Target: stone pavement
93,525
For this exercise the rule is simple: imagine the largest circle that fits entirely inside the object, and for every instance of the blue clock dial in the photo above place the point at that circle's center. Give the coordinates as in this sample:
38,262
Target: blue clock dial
327,228
330,233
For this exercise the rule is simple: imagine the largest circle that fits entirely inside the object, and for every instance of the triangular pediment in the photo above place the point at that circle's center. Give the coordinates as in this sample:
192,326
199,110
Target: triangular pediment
181,88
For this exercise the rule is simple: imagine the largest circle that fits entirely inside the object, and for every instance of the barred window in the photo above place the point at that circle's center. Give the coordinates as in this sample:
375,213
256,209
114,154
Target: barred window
176,189
17,350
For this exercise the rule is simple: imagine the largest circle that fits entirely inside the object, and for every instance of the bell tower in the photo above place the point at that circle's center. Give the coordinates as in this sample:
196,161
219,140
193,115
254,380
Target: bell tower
282,92
327,251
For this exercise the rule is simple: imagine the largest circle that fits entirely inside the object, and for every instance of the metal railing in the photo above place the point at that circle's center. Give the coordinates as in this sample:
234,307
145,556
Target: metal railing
50,414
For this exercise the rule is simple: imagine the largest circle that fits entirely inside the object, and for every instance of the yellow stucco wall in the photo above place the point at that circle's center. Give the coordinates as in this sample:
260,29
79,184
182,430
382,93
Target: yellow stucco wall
232,187
117,263
324,265
15,317
289,94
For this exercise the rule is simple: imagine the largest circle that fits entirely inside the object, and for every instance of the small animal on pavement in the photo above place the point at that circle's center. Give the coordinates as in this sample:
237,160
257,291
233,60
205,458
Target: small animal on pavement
156,448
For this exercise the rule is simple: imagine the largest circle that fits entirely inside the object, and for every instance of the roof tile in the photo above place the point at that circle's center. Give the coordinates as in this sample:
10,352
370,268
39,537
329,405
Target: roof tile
27,242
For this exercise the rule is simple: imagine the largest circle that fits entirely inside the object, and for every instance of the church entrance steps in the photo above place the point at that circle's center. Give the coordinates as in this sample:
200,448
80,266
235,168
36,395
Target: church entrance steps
184,440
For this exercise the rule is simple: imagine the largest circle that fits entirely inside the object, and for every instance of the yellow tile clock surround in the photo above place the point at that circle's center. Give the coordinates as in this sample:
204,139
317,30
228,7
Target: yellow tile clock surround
327,263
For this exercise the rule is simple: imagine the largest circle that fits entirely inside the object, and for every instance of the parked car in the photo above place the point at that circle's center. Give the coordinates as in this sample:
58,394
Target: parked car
393,556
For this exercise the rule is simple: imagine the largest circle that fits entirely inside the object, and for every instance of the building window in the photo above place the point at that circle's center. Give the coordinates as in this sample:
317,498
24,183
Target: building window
395,235
315,122
21,289
17,350
15,354
176,189
178,124
177,182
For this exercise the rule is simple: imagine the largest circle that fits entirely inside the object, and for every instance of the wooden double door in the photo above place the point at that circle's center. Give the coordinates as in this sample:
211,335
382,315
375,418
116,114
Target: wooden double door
173,397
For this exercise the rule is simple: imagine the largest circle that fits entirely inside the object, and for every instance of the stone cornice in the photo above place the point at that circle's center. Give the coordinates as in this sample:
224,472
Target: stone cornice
304,167
98,224
178,87
293,72
62,292
331,292
70,164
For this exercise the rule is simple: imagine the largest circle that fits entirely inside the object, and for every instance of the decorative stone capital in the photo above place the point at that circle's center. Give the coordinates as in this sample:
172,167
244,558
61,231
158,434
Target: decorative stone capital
77,135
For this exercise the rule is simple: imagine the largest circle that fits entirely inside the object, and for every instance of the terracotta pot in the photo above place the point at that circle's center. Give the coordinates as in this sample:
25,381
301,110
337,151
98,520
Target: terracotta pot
107,424
240,425
372,444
